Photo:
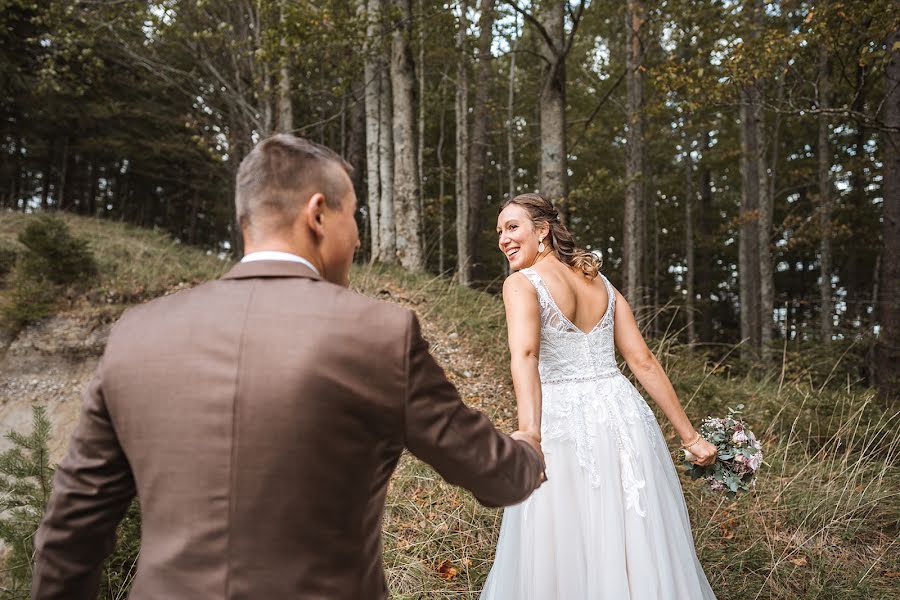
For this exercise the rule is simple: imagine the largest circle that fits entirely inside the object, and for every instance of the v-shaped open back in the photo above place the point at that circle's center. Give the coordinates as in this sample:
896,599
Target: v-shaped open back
557,316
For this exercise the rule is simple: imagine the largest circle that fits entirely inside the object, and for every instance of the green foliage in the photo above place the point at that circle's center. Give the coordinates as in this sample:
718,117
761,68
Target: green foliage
25,487
8,256
121,566
133,264
53,258
28,299
54,253
25,480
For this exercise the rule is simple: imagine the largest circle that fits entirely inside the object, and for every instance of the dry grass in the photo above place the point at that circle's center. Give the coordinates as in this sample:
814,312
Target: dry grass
134,264
824,521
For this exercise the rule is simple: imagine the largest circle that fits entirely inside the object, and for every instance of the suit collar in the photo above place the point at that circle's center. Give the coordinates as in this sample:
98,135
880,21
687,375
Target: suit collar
270,268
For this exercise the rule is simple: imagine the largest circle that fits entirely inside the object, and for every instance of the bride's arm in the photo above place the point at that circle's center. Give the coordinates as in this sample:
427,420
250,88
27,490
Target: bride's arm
523,323
650,373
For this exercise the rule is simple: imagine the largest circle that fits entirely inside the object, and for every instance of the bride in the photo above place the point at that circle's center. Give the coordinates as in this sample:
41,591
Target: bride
611,521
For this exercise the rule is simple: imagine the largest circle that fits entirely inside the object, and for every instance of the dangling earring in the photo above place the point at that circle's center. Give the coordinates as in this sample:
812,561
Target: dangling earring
541,246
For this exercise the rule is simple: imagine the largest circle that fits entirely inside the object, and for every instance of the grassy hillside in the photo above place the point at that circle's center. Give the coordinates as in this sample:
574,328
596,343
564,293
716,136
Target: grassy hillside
134,264
824,521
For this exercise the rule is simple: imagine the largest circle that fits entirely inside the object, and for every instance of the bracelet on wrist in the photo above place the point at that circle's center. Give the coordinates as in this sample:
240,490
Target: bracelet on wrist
694,443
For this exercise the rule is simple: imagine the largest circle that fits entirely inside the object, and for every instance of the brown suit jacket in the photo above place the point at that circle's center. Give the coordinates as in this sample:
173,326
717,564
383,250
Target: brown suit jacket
258,418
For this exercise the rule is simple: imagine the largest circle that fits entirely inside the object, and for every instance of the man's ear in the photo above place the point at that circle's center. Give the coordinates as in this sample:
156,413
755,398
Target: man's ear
315,213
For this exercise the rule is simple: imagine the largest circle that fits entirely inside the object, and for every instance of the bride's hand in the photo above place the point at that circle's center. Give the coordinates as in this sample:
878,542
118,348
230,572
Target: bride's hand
532,438
703,452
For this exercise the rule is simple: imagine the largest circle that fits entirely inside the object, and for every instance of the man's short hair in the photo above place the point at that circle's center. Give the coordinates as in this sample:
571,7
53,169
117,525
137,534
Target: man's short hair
279,174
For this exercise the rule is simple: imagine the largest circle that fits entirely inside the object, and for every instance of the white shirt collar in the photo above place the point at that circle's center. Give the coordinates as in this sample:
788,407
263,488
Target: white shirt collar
273,255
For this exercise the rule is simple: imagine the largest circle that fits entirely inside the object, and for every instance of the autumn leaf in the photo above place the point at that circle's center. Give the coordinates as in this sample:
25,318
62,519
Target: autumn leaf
800,562
446,570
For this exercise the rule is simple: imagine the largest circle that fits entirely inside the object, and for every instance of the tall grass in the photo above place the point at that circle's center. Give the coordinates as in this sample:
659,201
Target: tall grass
133,264
822,522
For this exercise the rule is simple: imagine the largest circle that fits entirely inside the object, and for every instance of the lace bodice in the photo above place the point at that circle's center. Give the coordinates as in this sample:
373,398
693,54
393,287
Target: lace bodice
584,393
567,353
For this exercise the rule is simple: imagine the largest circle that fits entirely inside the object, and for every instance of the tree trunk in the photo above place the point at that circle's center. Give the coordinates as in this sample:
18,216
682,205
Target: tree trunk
420,125
45,178
93,185
704,233
748,236
268,118
554,166
634,249
15,175
757,291
463,251
195,210
356,138
285,108
387,232
442,252
825,159
853,276
406,170
62,190
888,343
510,120
764,235
372,76
689,307
479,141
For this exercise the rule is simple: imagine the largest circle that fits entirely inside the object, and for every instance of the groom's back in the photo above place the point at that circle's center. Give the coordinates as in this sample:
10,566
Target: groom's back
262,418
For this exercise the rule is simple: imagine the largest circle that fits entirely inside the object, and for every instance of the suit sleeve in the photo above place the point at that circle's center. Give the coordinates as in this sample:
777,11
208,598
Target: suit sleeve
459,442
92,489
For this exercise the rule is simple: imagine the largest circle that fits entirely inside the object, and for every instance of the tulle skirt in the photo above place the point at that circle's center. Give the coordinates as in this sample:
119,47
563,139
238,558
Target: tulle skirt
611,522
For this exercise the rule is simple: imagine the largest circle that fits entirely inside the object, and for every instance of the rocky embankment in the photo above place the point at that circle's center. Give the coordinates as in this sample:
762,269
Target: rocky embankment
49,364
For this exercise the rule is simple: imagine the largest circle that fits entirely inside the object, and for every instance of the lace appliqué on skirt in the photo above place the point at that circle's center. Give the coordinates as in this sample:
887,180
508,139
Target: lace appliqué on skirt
581,411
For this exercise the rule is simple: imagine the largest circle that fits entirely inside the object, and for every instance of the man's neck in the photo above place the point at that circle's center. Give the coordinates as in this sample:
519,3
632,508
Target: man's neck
280,246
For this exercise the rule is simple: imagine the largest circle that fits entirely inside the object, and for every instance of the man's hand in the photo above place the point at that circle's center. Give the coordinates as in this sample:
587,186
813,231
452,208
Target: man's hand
533,439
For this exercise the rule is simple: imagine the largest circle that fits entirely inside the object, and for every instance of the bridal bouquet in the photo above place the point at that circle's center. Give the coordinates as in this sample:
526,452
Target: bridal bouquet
739,454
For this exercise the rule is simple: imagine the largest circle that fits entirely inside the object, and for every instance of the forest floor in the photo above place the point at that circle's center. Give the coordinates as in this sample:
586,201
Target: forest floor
823,521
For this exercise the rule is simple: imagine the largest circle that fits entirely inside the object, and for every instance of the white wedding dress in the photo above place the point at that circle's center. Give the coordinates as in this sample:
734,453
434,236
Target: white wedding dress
610,522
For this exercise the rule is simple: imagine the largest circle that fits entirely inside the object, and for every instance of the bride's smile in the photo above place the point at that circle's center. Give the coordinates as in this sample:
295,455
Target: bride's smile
519,239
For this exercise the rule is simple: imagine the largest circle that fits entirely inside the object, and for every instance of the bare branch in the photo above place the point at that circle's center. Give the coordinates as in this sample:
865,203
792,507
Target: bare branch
537,24
596,110
576,19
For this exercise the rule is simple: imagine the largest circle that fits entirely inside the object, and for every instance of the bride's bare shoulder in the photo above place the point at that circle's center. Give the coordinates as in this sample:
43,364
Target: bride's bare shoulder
517,286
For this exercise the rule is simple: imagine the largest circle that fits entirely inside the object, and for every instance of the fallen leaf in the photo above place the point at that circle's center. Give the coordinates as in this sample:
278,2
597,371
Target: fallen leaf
800,562
446,570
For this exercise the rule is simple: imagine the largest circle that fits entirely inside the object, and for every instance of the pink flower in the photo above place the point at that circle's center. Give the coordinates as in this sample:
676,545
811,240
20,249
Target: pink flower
740,458
755,461
739,437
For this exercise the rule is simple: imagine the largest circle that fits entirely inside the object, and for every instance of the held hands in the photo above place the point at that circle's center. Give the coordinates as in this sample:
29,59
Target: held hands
533,439
699,451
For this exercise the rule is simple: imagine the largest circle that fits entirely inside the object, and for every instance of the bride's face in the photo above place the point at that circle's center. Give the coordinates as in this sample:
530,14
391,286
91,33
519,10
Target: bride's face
519,238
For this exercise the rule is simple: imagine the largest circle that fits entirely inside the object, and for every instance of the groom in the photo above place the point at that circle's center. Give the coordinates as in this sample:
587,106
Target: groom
259,417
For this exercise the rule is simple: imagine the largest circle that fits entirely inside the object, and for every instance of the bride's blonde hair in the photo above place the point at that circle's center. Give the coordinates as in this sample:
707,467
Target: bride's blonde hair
541,210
